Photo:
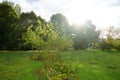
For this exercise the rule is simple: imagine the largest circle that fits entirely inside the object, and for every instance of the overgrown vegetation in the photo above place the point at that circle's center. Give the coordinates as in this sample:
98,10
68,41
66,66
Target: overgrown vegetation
112,40
78,65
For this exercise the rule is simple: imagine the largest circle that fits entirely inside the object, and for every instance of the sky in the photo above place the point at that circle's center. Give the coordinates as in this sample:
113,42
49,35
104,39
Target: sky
103,13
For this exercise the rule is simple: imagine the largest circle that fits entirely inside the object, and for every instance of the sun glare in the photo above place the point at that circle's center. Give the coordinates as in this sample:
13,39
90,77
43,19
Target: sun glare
81,10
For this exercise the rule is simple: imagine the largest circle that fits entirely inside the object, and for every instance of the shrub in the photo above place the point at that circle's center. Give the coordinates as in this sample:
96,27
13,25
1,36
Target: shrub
59,71
110,45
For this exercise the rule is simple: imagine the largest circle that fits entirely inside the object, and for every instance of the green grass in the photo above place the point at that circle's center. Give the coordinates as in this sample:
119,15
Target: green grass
88,65
17,66
94,65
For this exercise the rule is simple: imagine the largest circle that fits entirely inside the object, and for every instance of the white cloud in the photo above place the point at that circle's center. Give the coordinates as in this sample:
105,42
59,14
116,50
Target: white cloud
109,3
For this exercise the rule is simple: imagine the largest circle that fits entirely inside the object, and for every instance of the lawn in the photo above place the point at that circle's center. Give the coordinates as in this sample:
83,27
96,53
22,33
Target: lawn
88,65
17,66
94,65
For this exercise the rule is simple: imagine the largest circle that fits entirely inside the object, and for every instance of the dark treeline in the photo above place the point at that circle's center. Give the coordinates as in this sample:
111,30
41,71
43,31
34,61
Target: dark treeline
27,31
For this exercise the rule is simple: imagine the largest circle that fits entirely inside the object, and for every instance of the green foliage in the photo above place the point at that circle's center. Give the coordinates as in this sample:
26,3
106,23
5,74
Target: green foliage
40,37
63,43
59,71
14,6
112,40
13,22
33,37
60,23
116,44
27,19
80,42
57,34
60,26
8,18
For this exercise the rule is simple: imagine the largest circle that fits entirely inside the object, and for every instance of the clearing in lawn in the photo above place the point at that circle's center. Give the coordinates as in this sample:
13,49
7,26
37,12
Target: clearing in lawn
87,65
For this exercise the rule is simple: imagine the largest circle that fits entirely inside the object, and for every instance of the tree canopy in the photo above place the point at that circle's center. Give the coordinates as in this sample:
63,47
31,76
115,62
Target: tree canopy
86,36
25,31
8,18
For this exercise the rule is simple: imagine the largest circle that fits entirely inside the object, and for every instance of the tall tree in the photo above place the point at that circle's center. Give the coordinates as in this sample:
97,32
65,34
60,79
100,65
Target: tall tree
27,19
16,7
8,18
61,25
41,37
86,36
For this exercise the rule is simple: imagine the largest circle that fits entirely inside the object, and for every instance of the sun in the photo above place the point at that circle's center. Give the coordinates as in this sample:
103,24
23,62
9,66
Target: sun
79,12
101,16
77,19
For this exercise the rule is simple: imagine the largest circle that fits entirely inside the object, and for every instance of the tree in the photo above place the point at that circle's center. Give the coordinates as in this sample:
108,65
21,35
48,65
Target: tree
27,19
16,7
92,34
61,26
8,18
80,41
41,37
86,36
60,23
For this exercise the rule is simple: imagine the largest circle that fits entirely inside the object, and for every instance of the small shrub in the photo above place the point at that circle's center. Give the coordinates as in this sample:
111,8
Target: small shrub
53,68
59,71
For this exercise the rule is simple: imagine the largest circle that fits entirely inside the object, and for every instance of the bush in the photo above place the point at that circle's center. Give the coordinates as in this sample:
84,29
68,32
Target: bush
116,44
110,45
59,71
80,43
